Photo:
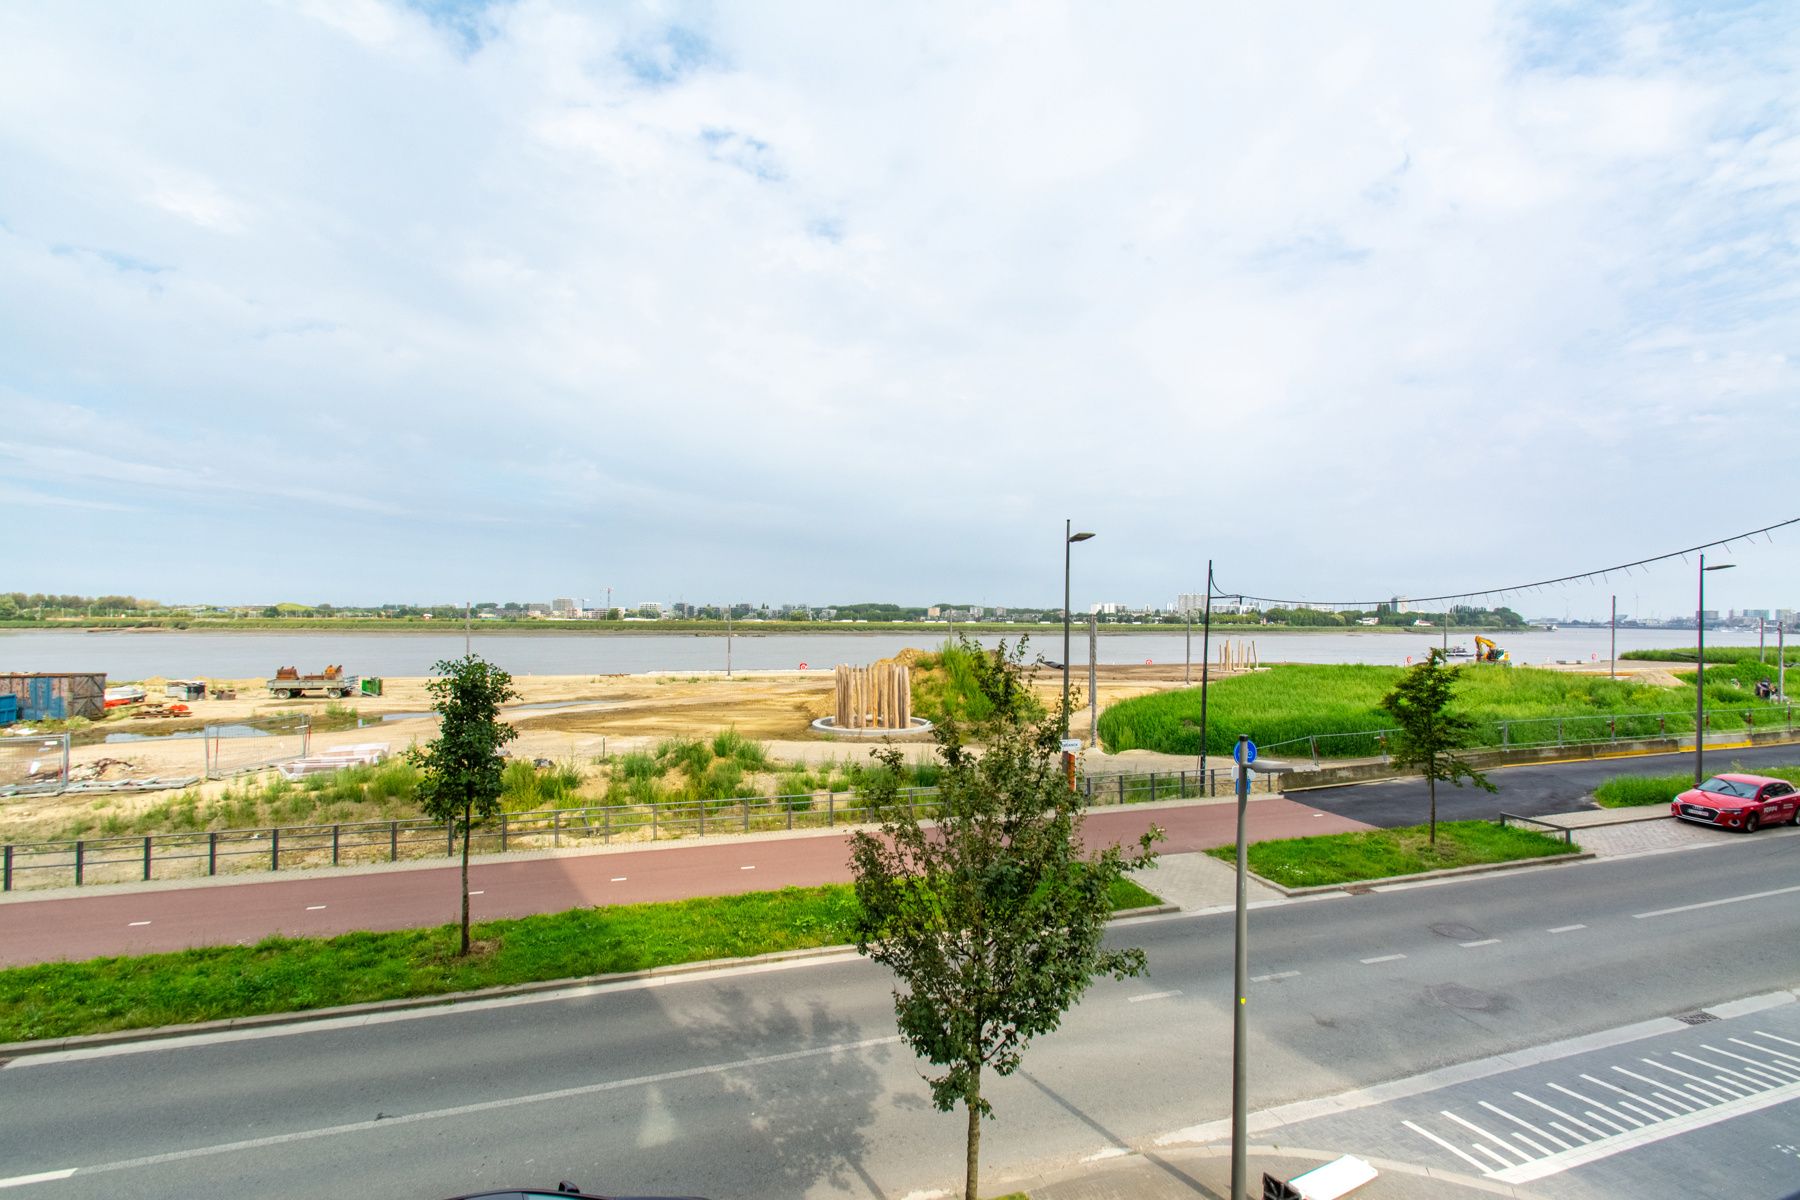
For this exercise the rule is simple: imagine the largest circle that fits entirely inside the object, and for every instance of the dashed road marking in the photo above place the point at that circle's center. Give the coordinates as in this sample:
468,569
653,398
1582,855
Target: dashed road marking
618,879
482,893
748,868
135,924
1482,942
314,907
1274,977
1152,996
40,1177
1382,958
1565,929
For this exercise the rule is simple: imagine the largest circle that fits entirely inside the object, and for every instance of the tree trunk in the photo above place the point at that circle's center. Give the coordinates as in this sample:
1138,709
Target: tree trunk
1431,787
973,1101
465,887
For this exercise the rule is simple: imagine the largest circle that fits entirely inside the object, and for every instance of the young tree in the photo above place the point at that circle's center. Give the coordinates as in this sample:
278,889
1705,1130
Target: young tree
991,916
462,766
1429,734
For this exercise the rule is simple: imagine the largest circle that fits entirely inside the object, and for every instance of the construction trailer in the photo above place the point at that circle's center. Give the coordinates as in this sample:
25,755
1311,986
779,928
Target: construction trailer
185,689
56,696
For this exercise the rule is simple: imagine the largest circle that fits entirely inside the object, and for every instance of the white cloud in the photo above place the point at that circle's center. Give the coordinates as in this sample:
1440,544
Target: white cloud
861,302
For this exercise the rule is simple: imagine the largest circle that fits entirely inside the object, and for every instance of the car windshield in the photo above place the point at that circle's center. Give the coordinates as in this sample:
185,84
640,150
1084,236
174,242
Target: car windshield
1727,787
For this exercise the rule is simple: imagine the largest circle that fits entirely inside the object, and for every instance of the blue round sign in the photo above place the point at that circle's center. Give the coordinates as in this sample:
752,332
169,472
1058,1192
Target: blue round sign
1244,753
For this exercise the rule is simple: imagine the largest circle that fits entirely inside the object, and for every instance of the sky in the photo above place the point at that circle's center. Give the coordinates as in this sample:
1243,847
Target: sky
362,302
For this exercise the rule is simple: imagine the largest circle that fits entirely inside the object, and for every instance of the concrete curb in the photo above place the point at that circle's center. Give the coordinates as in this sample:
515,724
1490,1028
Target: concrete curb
89,1041
1363,885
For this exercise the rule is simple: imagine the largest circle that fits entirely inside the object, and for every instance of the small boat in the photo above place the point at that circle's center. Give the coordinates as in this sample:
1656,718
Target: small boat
1458,652
118,697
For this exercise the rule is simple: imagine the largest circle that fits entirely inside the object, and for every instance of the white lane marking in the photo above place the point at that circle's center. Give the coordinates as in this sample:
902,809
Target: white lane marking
135,924
1565,929
1773,1071
749,868
1151,996
1492,1137
1775,1038
618,879
481,893
40,1177
1383,958
1274,977
314,907
1599,1133
1726,1075
1706,1090
1681,1102
1674,1126
1482,942
1641,1101
1470,1159
1495,1108
1765,1049
1574,1095
1663,912
463,1110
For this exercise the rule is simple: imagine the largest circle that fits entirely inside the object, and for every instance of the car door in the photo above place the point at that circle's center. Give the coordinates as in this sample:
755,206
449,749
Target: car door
1779,802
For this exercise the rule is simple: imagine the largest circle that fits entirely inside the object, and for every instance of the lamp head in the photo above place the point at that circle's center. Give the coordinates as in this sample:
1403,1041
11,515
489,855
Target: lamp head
1719,567
1082,537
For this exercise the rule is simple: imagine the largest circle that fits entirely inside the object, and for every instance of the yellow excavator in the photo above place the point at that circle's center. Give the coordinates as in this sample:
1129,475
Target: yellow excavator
1486,651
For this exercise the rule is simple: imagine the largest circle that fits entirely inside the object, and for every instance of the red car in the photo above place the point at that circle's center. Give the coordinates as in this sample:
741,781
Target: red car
1744,802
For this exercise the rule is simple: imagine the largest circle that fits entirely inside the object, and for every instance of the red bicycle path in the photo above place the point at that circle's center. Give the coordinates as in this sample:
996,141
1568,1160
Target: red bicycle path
150,920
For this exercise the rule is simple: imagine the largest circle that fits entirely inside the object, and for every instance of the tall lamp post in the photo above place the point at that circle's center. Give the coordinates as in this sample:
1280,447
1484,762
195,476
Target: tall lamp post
1700,670
1069,539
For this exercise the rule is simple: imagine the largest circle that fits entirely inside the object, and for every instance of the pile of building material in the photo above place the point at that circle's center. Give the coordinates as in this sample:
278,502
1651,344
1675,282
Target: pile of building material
365,754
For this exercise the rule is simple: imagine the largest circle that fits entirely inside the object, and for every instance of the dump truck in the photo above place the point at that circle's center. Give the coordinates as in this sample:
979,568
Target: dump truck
289,683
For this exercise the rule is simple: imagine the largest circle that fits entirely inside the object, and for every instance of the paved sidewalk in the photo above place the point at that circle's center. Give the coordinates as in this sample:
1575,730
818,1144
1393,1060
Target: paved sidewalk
1195,881
1614,832
1205,1174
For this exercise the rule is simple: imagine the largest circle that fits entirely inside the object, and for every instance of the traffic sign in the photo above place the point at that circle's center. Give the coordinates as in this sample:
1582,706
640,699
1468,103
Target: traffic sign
1071,745
1245,752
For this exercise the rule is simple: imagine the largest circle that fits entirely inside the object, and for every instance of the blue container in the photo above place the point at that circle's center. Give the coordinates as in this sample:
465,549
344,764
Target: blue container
9,709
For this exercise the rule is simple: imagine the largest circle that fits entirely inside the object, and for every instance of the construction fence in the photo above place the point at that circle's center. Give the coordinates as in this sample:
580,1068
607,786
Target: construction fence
200,853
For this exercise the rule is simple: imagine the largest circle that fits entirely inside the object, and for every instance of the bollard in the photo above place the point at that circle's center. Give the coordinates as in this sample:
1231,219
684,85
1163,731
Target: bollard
146,858
6,870
275,849
80,854
334,845
212,853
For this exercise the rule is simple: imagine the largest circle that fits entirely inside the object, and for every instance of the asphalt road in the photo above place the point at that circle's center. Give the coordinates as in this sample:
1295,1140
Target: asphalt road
319,904
784,1083
1532,790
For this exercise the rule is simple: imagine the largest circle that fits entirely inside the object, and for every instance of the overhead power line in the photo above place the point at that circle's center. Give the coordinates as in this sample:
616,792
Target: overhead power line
1766,532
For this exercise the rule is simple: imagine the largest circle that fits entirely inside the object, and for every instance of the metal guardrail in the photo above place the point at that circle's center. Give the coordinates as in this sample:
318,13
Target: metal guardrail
198,853
1575,729
1566,831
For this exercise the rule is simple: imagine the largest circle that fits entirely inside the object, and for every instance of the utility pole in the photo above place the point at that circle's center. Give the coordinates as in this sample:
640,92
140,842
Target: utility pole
468,607
1187,651
728,640
1093,679
1205,674
1240,1082
1613,671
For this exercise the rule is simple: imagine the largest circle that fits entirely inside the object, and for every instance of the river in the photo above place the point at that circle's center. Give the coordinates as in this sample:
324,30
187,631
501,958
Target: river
178,655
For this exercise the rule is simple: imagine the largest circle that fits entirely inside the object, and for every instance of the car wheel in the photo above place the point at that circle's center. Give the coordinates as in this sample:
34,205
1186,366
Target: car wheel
1751,821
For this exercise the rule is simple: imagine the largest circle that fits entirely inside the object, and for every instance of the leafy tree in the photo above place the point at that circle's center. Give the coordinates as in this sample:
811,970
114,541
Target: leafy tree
1429,734
461,769
992,918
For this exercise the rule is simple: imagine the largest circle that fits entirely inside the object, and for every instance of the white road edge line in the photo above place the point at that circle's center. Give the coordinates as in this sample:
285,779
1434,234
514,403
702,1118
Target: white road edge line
1664,912
1151,996
1272,978
40,1177
460,1110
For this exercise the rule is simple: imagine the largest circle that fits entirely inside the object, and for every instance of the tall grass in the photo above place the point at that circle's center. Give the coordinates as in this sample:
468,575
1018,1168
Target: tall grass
946,684
529,788
1637,791
1714,654
1287,703
361,793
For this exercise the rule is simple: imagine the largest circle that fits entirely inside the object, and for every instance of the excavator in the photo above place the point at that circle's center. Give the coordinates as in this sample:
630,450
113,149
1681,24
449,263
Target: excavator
1487,652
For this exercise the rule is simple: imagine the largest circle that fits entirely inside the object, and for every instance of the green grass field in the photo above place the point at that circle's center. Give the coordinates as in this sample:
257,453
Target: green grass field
1640,791
280,974
1340,706
1384,853
1716,654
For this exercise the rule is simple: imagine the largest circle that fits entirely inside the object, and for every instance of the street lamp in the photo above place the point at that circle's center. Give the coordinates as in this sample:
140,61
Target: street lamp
1700,670
1069,539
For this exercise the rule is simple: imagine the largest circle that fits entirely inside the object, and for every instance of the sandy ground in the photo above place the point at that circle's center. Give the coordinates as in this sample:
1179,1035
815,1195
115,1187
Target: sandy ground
587,717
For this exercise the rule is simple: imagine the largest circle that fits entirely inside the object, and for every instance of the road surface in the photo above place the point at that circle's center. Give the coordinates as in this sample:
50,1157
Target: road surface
778,1083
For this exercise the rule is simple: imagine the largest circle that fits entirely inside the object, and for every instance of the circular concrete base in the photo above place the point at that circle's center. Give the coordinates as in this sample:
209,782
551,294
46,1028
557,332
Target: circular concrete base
830,725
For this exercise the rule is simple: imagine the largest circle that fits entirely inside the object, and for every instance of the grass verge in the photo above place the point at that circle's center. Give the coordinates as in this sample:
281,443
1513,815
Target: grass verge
1642,791
280,974
1385,853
